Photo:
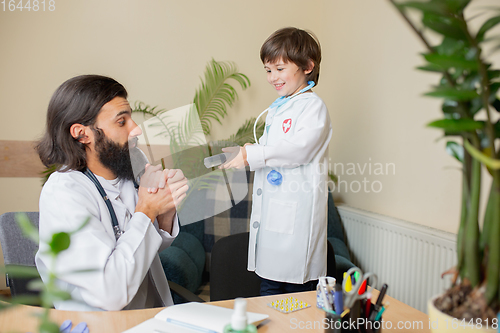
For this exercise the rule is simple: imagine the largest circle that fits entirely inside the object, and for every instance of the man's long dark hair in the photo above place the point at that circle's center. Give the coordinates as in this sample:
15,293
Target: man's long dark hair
76,101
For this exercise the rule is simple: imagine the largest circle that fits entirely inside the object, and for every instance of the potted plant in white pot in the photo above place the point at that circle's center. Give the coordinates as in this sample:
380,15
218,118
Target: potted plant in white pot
468,87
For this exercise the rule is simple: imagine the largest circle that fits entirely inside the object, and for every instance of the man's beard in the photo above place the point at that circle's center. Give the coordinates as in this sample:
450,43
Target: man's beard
116,157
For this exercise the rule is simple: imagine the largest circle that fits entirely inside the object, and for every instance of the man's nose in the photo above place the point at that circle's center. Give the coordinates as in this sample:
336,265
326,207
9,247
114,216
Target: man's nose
136,130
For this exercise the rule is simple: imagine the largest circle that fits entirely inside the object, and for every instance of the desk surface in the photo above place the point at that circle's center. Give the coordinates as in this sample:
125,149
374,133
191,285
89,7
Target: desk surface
21,319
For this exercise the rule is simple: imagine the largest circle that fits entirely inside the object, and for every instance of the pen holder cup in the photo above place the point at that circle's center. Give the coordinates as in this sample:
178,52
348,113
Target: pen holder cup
330,281
333,323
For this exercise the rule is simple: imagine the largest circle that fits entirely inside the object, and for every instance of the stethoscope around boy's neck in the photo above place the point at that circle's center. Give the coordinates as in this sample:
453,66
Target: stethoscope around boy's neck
279,102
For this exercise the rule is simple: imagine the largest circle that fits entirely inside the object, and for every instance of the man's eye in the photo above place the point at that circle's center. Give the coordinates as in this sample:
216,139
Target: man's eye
121,122
268,70
280,69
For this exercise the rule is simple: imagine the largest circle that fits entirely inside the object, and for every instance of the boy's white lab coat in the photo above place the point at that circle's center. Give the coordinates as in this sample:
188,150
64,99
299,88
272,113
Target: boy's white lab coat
289,222
67,200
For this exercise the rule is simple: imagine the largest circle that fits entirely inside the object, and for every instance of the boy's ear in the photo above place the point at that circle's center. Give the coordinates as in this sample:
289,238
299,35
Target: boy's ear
310,67
80,133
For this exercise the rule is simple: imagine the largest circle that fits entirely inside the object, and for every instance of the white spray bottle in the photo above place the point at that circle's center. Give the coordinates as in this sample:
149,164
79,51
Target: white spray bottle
239,319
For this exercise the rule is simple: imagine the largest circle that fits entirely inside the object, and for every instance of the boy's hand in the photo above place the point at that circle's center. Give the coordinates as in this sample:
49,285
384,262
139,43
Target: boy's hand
238,158
153,178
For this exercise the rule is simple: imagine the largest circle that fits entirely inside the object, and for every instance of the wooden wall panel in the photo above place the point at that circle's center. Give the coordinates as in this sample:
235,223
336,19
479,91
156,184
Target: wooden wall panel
19,159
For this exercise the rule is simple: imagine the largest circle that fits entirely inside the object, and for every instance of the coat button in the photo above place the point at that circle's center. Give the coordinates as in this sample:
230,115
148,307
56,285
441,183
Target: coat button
259,191
255,225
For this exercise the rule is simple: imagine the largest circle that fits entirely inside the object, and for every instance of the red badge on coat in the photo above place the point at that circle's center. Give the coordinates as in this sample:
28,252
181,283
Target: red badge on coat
287,123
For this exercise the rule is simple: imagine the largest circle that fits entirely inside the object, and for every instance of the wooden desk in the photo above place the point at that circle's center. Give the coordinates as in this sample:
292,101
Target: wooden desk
21,319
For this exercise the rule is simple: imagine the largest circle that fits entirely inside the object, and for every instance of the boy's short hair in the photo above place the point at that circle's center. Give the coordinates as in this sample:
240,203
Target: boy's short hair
295,45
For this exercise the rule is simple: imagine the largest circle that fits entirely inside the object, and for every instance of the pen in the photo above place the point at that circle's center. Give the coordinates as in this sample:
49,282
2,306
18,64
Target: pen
324,289
379,314
189,326
374,311
368,305
382,294
339,301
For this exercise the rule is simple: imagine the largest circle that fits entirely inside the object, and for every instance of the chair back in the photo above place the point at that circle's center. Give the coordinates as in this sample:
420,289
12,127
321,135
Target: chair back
229,277
17,250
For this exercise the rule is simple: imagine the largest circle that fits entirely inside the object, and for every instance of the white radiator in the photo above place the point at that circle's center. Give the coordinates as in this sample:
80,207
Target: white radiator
408,257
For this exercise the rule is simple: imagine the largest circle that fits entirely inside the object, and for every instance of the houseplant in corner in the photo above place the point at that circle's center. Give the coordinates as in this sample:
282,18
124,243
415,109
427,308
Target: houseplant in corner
468,87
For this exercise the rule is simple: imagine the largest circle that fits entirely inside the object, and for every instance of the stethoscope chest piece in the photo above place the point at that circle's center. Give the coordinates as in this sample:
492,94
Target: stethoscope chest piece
274,178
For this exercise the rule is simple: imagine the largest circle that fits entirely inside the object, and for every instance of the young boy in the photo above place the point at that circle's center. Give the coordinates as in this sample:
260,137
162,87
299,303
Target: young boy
288,224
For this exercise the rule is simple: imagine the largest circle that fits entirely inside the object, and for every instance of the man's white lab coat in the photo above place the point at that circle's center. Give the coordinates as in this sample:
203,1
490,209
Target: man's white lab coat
119,267
288,225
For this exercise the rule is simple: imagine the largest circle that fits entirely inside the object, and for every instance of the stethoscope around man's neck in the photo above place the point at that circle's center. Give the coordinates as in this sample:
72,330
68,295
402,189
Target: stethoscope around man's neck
277,103
114,221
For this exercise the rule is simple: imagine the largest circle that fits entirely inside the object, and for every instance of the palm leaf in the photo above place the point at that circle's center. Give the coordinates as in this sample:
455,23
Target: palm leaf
146,110
214,94
245,132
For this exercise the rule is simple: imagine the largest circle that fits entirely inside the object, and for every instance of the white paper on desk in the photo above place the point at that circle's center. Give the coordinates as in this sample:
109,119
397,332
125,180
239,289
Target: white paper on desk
209,318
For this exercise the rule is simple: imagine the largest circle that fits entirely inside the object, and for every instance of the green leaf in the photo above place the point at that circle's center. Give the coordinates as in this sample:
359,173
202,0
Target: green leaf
457,125
333,177
478,155
19,271
245,132
450,108
45,174
451,61
146,110
432,68
493,74
25,299
27,228
60,242
87,220
457,5
36,284
475,105
453,94
214,95
487,26
497,129
434,7
471,81
455,150
51,296
447,26
494,87
496,104
48,327
450,46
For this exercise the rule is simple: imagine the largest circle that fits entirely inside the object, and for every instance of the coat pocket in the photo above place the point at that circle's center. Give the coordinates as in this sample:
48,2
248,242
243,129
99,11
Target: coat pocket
281,216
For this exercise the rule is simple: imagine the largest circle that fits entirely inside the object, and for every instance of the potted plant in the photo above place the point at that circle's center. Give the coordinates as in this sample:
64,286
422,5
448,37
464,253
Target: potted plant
468,87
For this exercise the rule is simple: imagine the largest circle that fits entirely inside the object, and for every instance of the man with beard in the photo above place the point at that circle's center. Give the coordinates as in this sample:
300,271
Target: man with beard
112,262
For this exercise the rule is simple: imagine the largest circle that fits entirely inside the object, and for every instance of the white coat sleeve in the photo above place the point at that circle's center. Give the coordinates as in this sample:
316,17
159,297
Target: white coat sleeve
311,133
118,267
168,238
